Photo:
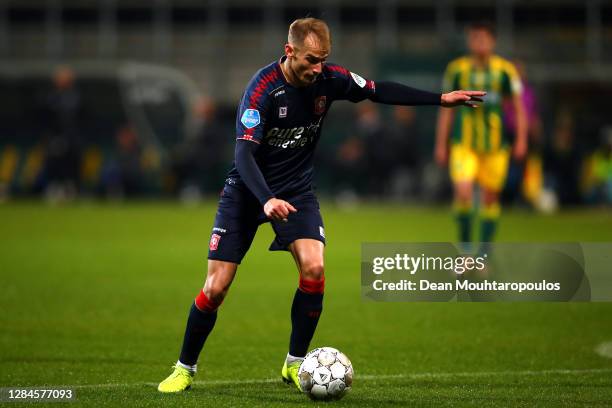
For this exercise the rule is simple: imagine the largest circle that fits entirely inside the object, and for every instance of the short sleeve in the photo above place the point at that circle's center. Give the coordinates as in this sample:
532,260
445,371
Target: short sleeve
511,81
253,109
349,85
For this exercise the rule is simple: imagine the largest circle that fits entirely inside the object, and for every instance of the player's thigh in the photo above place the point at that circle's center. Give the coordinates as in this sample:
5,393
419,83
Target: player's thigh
489,196
463,164
306,223
308,256
234,227
219,278
493,170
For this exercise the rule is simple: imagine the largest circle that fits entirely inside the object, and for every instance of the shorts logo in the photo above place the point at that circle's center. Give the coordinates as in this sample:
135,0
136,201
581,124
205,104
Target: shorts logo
320,104
250,118
321,231
358,80
282,112
214,242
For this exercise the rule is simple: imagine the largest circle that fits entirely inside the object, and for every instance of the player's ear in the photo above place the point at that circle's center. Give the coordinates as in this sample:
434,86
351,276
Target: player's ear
289,50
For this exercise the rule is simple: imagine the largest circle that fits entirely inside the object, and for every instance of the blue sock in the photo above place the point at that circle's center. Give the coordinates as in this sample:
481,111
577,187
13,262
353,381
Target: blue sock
305,312
464,220
487,232
199,326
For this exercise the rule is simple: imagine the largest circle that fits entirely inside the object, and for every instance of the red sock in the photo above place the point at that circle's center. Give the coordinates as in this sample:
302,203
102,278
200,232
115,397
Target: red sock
204,304
312,286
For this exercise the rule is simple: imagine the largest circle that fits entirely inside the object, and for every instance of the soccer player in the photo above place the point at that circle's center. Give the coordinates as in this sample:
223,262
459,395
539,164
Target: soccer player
278,125
479,148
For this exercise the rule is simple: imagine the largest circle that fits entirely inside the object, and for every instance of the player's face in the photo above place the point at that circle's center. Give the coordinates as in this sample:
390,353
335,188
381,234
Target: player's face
306,61
480,42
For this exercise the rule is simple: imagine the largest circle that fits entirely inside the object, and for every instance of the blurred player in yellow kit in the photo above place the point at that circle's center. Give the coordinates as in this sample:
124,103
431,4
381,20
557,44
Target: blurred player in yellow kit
479,149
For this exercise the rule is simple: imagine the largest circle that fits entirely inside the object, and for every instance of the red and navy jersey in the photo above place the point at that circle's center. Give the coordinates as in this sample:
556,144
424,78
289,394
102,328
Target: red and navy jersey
286,122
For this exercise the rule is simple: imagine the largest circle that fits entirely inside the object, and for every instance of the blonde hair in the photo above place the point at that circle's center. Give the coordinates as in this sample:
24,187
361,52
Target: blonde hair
299,30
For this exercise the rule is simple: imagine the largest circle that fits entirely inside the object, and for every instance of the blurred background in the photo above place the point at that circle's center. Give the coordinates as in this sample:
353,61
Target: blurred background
110,99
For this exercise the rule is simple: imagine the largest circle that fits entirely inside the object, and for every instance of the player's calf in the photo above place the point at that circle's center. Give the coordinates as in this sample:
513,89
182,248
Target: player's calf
462,208
305,312
201,320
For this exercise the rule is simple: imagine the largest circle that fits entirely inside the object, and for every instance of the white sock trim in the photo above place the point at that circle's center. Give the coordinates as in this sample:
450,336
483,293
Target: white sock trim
291,359
193,368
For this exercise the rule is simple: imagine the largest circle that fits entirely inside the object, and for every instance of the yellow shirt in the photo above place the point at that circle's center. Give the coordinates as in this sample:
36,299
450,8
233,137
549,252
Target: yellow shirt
481,128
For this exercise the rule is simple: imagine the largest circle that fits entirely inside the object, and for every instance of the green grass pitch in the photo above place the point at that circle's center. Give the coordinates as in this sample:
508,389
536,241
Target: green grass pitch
96,296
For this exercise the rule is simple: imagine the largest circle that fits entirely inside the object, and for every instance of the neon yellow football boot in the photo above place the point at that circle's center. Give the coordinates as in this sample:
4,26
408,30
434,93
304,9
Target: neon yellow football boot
180,380
289,373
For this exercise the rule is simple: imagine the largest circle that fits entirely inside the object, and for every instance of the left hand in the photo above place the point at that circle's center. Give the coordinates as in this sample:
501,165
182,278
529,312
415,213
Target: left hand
462,98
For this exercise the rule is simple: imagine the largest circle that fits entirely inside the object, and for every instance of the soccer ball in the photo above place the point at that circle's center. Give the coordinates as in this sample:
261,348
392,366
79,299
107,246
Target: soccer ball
326,374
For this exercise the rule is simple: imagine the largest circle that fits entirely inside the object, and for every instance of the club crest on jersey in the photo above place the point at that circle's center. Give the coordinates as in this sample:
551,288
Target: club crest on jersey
214,242
319,104
282,112
250,118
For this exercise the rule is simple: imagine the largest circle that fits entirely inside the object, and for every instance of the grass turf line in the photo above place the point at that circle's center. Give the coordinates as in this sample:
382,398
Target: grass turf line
100,293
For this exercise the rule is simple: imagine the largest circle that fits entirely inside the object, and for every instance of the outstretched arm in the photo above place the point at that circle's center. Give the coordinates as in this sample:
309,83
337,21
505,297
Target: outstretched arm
393,93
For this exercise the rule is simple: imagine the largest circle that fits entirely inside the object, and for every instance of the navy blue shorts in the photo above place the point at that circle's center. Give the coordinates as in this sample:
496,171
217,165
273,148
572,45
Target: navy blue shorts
240,214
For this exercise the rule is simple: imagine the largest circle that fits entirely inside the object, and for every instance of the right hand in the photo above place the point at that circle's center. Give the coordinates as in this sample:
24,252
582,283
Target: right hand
462,98
441,155
278,210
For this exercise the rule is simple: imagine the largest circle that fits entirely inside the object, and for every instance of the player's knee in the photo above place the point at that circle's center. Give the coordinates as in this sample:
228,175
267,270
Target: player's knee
313,270
212,295
312,278
463,193
218,282
208,301
490,197
215,291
